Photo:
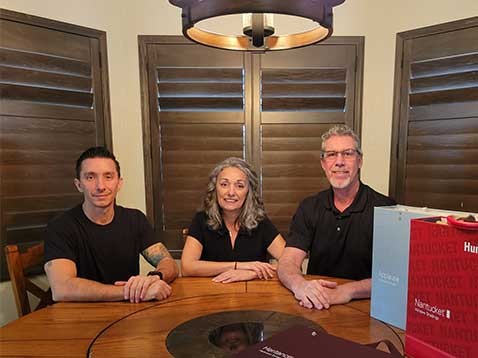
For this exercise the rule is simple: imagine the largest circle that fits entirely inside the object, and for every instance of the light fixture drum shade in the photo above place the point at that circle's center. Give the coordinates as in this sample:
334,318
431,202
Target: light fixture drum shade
319,11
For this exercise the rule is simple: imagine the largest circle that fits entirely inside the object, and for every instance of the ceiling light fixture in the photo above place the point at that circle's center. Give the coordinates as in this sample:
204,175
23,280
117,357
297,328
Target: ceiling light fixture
258,32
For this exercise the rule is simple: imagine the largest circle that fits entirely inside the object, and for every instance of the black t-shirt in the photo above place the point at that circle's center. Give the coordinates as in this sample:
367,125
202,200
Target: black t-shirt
249,245
103,253
339,244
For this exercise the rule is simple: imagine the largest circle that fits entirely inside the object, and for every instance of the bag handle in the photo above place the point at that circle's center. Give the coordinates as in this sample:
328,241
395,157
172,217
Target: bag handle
460,224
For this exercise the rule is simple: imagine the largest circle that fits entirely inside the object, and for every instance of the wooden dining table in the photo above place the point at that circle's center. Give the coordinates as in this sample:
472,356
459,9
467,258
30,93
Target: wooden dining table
123,329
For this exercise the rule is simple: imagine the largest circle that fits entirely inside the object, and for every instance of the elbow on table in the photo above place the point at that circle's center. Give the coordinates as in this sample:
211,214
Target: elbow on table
57,295
61,293
185,269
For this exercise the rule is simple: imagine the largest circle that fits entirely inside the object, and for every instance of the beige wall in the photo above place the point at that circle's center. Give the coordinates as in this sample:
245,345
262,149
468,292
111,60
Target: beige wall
377,20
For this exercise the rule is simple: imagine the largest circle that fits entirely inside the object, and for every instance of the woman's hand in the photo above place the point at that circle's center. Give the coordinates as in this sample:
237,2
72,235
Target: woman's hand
235,276
263,270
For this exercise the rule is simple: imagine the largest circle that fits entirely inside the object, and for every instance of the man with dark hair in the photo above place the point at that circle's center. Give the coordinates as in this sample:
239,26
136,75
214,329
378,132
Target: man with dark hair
96,152
92,250
335,227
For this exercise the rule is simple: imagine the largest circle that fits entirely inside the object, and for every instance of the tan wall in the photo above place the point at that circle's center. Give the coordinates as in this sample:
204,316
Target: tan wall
377,20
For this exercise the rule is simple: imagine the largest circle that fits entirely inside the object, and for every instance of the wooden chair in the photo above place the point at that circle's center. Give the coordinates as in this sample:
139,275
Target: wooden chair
18,263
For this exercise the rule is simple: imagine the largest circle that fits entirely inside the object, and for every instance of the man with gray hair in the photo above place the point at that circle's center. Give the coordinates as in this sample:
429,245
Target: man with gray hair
335,227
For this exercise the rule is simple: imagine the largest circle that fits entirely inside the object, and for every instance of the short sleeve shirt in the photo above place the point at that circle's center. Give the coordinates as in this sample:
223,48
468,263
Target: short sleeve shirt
103,253
249,245
339,243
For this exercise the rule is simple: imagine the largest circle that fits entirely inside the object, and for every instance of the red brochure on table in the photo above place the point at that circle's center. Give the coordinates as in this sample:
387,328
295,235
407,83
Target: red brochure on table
442,309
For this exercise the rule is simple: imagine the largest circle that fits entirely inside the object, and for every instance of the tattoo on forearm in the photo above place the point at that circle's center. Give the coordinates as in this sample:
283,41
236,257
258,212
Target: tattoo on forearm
155,253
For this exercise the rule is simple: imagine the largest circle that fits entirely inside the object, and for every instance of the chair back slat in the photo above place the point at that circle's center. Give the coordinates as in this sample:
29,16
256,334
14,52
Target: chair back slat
33,256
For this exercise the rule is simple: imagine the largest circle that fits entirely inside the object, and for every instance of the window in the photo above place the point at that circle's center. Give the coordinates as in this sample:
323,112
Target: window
434,160
203,105
54,104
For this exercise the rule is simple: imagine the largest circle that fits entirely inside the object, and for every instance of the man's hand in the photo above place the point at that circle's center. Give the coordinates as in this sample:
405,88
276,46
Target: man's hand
235,276
339,295
323,294
158,290
316,293
263,270
137,287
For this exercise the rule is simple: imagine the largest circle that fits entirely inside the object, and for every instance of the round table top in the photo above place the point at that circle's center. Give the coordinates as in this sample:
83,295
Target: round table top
122,329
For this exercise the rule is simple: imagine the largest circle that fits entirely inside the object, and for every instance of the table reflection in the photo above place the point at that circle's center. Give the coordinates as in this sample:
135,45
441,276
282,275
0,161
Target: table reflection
220,334
237,336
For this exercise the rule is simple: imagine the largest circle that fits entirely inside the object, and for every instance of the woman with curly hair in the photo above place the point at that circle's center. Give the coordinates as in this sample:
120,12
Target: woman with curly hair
231,237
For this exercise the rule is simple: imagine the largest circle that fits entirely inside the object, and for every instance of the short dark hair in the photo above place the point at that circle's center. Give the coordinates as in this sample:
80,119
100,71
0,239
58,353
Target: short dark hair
96,152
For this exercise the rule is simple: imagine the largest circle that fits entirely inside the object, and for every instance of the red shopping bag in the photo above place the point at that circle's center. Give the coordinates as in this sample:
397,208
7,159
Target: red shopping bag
442,309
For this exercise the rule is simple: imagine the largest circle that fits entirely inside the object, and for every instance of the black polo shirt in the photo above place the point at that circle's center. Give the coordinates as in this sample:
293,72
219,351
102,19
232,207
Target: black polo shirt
249,245
339,244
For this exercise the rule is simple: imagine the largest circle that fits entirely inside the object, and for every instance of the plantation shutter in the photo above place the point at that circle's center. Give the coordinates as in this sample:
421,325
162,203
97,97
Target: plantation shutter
437,129
205,105
52,107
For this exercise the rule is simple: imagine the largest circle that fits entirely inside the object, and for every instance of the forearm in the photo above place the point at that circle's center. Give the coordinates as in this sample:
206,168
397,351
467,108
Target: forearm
79,289
290,274
168,268
358,289
205,268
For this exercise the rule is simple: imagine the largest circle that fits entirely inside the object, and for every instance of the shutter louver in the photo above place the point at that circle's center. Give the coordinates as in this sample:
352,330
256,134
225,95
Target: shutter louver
200,89
447,80
303,90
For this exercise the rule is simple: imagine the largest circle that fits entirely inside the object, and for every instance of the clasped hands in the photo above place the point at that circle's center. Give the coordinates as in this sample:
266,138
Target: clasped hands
144,288
246,271
321,294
